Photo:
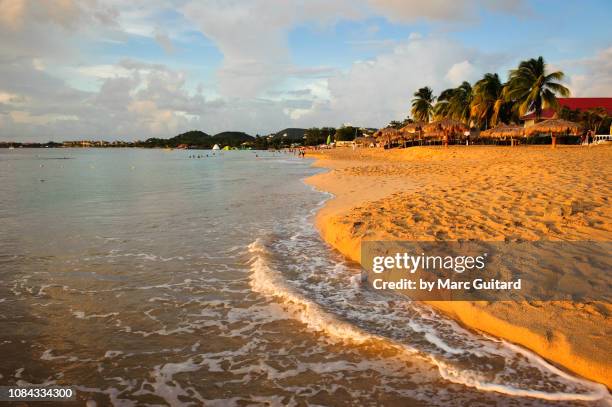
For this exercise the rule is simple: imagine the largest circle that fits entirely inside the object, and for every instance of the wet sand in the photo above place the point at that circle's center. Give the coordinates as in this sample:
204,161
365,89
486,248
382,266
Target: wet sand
490,194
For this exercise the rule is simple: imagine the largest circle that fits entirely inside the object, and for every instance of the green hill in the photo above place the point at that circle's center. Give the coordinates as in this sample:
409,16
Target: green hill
199,139
294,135
194,137
232,138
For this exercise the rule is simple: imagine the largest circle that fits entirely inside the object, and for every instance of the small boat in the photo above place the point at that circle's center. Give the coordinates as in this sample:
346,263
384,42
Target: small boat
11,148
216,147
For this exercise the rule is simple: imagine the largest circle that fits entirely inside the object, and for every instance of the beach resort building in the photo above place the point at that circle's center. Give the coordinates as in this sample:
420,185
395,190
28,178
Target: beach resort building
580,104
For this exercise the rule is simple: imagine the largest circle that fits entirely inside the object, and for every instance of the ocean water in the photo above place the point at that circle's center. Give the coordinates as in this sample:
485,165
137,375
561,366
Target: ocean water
144,277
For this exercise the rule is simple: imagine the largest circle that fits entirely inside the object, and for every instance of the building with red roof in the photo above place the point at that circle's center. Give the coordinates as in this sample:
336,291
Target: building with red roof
570,103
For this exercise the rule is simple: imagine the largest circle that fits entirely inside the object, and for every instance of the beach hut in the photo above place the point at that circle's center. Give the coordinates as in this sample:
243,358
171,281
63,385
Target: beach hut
364,141
412,131
433,135
554,127
444,127
504,131
449,125
412,128
386,136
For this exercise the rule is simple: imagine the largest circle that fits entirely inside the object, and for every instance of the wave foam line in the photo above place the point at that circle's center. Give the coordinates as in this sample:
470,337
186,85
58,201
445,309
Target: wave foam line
267,282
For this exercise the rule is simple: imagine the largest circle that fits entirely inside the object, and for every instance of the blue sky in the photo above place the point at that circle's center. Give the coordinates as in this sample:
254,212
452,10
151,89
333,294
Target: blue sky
112,69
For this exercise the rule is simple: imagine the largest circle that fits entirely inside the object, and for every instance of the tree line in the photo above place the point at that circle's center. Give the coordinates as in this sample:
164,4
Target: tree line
316,135
531,87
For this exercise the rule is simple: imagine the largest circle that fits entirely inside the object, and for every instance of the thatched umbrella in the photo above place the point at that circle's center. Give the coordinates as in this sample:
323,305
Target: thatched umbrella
503,131
400,137
412,128
386,135
445,126
448,125
554,127
363,141
434,135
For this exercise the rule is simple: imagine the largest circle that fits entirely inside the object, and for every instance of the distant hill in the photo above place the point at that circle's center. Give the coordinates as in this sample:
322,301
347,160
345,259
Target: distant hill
194,137
294,135
199,139
232,138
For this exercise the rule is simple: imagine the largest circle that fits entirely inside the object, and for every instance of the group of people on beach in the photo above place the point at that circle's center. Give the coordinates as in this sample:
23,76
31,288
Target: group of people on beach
300,152
199,156
587,138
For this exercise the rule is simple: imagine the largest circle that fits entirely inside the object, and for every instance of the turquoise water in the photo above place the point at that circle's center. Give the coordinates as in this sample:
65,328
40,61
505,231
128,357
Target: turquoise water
145,277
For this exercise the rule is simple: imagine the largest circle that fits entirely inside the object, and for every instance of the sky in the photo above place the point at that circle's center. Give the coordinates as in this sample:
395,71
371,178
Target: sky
129,70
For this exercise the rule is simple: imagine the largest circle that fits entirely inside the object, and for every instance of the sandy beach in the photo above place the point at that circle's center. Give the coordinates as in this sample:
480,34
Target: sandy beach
489,194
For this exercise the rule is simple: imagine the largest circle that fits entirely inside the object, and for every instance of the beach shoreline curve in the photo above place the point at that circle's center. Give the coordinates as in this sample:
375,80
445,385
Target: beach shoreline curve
361,180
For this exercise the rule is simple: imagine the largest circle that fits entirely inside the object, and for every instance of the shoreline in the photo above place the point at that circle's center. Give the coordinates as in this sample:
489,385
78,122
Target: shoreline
391,194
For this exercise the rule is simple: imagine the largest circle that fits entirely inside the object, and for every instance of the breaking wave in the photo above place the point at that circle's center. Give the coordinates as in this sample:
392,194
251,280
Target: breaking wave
328,298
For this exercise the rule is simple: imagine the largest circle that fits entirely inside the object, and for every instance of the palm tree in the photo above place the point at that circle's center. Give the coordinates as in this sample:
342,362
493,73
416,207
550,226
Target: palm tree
504,110
533,89
422,104
594,118
455,103
442,107
487,96
460,102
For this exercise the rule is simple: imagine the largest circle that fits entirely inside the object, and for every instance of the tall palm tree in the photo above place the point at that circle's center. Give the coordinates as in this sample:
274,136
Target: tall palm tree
422,104
504,111
532,88
442,107
460,102
455,103
487,95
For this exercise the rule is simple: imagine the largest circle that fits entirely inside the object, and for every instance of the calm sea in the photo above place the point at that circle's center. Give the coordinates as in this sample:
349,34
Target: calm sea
145,277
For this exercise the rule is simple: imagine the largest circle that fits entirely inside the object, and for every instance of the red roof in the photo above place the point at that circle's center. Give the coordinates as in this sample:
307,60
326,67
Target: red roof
574,103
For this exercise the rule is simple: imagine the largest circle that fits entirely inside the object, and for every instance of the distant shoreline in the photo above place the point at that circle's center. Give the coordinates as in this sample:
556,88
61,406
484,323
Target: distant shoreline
104,147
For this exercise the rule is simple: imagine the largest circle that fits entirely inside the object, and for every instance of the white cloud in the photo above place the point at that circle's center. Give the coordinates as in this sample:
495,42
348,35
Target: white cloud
16,14
11,13
443,10
252,36
9,98
595,77
461,71
258,87
164,41
103,71
147,100
372,93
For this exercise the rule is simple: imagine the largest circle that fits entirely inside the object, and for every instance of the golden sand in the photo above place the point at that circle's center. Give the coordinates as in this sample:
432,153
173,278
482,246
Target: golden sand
491,194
